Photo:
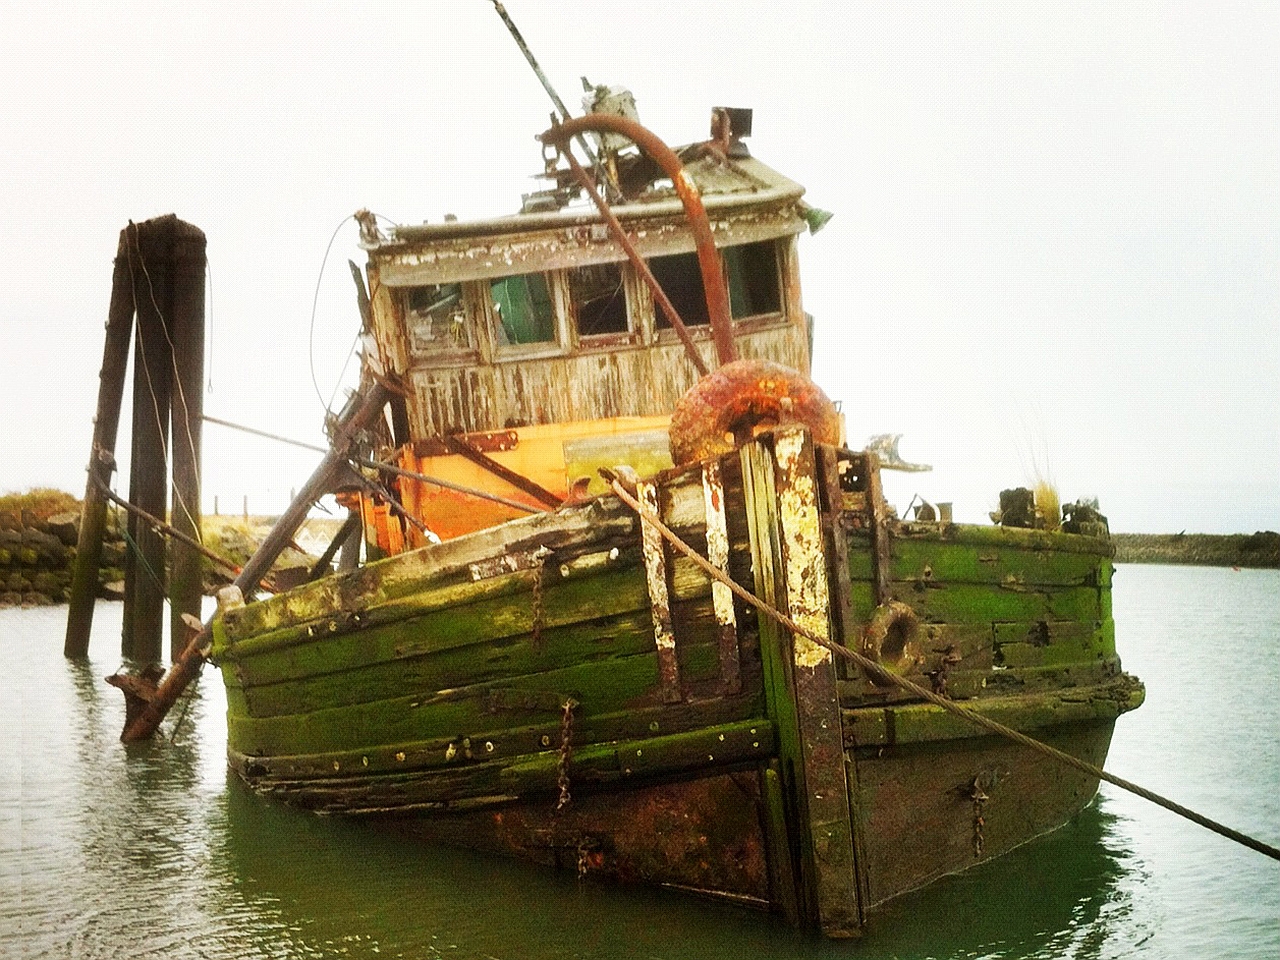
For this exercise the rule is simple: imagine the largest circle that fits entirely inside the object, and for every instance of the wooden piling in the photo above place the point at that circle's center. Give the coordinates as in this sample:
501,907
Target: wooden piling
106,422
158,282
144,583
186,325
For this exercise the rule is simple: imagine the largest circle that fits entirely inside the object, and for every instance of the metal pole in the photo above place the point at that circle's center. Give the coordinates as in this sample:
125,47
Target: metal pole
596,165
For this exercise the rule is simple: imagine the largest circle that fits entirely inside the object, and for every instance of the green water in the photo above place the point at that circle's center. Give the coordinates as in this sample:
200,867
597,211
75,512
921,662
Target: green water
153,851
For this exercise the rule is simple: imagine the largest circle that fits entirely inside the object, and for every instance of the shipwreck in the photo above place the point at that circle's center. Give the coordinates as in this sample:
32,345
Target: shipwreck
614,592
616,551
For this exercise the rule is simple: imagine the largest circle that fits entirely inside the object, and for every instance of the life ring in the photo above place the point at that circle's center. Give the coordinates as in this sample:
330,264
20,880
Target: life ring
890,637
732,404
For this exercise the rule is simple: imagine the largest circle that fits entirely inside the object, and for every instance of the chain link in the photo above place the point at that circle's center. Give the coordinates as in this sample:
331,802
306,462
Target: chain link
539,614
979,798
566,754
939,676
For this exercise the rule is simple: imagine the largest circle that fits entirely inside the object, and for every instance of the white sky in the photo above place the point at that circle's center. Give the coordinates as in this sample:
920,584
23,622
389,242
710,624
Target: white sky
1056,243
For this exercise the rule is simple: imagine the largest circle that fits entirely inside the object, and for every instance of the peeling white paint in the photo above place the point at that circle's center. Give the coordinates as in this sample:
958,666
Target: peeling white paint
802,551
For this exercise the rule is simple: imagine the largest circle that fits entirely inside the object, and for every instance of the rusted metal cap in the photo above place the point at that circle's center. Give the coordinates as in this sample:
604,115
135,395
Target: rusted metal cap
729,406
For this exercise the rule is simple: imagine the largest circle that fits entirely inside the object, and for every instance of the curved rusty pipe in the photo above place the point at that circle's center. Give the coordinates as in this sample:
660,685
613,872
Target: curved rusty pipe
666,159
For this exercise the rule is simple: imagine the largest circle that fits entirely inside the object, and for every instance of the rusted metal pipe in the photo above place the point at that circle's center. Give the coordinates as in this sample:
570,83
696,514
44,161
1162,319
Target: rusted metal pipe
687,190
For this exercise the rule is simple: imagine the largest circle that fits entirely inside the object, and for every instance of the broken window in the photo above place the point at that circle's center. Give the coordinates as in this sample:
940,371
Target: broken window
524,309
599,299
681,280
754,286
437,319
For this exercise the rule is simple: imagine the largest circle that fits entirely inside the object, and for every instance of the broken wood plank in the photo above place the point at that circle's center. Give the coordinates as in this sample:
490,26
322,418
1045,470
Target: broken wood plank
655,568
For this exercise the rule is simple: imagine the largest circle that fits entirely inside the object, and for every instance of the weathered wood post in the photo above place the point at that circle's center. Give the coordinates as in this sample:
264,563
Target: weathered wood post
144,569
809,784
186,324
158,282
106,423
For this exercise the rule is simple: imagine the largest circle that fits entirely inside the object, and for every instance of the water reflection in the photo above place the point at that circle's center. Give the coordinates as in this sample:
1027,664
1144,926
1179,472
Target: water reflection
1062,895
321,883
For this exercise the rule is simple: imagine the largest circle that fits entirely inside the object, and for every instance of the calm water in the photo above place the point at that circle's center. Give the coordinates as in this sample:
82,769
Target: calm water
107,851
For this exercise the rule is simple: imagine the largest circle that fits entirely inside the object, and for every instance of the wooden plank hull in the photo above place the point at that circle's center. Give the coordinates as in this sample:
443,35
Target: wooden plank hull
569,689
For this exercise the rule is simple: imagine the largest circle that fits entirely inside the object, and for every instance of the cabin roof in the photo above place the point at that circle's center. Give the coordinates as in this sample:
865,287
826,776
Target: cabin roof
725,184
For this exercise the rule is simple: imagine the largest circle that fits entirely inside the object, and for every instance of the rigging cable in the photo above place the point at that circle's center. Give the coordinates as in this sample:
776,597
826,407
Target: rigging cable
355,341
311,331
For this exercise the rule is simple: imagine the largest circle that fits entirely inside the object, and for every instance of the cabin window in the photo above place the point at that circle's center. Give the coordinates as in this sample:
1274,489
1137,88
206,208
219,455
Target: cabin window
599,299
524,309
681,280
437,319
754,285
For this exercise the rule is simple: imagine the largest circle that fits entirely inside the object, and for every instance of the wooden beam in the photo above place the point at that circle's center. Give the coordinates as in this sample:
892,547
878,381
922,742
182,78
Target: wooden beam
826,796
846,631
789,557
460,447
655,569
721,595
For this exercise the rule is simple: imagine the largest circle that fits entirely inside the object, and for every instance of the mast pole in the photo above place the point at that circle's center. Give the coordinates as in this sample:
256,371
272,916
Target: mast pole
551,92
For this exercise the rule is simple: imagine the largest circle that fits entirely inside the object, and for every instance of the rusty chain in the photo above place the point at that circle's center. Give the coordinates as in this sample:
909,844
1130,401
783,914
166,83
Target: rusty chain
566,751
979,798
539,613
939,676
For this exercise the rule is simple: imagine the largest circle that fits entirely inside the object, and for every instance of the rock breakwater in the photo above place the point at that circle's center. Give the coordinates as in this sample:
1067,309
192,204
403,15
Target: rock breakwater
1261,549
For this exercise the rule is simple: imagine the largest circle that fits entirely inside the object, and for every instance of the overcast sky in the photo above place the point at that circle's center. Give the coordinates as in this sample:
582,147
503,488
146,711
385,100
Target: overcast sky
1056,246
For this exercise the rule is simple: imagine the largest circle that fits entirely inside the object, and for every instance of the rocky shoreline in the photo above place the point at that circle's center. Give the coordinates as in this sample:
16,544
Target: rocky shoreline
1261,549
39,532
36,554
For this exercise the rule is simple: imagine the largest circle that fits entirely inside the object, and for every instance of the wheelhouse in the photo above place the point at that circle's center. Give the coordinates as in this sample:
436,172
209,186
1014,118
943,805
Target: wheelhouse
528,348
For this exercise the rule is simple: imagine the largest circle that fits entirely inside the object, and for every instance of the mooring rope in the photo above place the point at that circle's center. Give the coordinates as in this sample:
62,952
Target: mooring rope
141,558
950,706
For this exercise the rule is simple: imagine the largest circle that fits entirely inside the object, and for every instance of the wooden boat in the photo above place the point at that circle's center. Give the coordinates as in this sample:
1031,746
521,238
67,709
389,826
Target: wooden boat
530,665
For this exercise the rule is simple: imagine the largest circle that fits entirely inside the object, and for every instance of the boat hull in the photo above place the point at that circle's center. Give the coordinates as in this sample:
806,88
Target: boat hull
570,689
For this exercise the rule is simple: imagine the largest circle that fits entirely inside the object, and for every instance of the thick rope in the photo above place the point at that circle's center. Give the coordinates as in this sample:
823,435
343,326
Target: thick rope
950,706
